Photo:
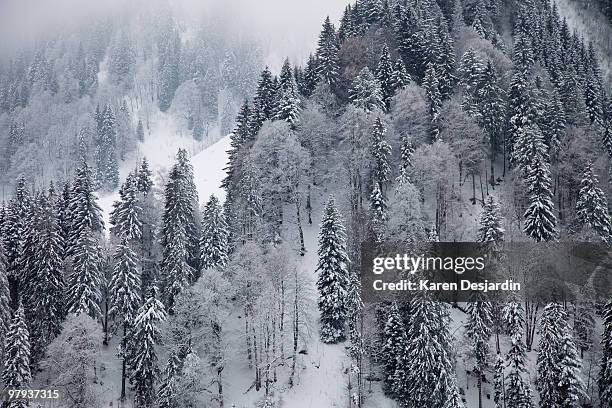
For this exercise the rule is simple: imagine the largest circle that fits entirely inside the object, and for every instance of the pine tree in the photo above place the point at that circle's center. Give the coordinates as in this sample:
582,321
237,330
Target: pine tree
379,212
406,152
85,282
491,229
16,374
289,103
179,231
310,78
592,205
365,92
554,123
384,74
214,243
381,154
592,96
605,369
552,325
570,381
333,278
606,138
498,383
46,298
85,213
400,77
124,297
478,330
5,304
327,54
518,393
394,337
444,59
424,376
144,178
540,219
432,89
143,357
125,217
107,168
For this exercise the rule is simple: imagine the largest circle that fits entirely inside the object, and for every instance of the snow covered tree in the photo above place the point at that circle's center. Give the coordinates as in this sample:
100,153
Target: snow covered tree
144,178
169,46
70,362
126,212
5,305
379,212
606,137
540,219
424,376
434,98
16,372
400,77
406,152
384,74
478,330
570,379
333,278
491,229
592,205
605,369
289,102
498,382
214,245
143,357
179,230
310,77
365,92
327,54
394,341
381,154
85,213
518,393
107,168
124,297
85,281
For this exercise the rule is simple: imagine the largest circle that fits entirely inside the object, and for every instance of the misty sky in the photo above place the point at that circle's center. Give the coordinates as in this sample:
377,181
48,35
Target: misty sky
286,27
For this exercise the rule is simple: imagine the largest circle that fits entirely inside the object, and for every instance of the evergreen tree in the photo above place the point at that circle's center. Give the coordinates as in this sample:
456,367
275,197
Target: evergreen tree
592,205
124,297
491,229
592,96
518,393
552,325
394,340
478,330
125,217
400,78
554,123
327,54
168,64
85,281
107,168
365,92
5,304
143,357
498,383
333,278
214,243
434,98
144,178
605,369
264,103
289,103
379,212
16,374
384,74
381,154
406,152
85,213
179,230
606,138
310,77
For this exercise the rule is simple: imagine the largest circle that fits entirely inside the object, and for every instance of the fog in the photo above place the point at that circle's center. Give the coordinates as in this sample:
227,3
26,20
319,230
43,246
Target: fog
284,27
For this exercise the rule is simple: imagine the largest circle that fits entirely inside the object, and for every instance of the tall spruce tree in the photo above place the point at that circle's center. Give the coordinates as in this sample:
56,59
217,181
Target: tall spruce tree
143,356
124,298
333,278
518,393
381,154
107,168
85,213
214,244
125,217
605,369
365,92
394,341
478,330
289,102
384,74
16,374
592,205
327,54
434,98
491,229
406,153
85,282
5,304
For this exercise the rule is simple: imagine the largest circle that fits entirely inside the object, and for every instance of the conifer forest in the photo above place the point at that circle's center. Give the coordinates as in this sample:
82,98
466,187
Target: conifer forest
185,187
